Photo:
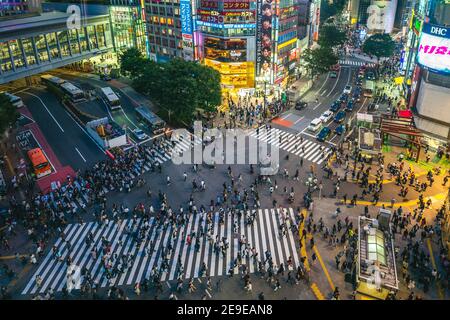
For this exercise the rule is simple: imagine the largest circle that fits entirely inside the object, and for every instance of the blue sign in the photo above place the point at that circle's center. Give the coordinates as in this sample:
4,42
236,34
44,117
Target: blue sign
186,16
226,26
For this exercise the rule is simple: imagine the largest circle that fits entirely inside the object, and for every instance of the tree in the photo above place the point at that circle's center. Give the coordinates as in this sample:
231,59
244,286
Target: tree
331,8
319,60
8,113
379,45
131,62
330,36
179,87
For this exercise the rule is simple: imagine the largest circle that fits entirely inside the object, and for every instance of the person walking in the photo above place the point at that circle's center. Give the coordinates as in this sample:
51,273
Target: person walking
277,285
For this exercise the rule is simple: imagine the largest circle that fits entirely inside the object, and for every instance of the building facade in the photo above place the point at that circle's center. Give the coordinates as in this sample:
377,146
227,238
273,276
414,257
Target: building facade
15,7
427,70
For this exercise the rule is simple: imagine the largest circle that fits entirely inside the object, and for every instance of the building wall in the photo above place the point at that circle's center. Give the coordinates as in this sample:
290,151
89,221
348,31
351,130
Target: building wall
164,29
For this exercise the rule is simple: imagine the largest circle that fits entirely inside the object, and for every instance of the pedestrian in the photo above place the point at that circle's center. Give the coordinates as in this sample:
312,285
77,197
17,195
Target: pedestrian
137,288
277,285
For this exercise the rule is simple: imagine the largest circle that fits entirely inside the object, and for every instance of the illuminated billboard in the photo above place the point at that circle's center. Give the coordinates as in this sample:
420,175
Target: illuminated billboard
434,48
264,39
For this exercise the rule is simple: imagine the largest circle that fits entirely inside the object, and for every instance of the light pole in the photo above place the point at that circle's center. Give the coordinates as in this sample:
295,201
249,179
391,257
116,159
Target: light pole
265,79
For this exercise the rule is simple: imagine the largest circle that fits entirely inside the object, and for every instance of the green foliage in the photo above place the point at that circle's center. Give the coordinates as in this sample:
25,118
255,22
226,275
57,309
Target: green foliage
319,60
179,87
8,113
379,45
330,36
330,8
131,62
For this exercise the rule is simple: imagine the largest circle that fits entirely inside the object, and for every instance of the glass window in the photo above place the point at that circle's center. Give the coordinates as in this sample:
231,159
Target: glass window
74,41
83,40
29,51
51,39
63,43
5,59
101,37
41,48
91,34
16,50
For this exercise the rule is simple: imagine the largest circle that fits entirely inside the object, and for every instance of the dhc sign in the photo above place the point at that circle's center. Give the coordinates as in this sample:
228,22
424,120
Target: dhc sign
436,30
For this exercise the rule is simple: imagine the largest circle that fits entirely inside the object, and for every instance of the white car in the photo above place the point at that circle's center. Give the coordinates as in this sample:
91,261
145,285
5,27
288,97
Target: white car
326,116
139,134
348,89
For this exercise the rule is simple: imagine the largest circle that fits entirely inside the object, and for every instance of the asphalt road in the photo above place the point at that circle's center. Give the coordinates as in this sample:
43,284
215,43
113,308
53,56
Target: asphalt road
70,142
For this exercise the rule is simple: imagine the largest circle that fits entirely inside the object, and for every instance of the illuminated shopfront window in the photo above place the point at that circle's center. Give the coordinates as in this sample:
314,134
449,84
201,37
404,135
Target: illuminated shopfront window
17,54
41,47
29,51
5,58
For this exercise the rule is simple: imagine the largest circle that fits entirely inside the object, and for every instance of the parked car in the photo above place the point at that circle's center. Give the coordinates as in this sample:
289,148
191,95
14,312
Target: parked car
340,129
323,134
339,117
348,89
326,116
139,134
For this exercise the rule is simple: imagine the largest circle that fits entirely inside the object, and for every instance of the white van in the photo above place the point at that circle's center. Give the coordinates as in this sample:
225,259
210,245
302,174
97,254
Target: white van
315,125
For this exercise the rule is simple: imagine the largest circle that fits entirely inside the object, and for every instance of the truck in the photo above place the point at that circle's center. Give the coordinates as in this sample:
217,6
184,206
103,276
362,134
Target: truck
106,134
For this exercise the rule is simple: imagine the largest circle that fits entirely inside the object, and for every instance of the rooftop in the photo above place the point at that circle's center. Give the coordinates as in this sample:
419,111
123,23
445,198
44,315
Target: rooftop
369,140
376,253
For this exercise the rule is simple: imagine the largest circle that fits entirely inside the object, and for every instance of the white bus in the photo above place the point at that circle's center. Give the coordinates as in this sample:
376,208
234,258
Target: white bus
15,100
111,99
75,94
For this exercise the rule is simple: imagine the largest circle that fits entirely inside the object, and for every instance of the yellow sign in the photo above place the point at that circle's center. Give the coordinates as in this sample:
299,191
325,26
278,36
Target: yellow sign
399,80
353,21
280,46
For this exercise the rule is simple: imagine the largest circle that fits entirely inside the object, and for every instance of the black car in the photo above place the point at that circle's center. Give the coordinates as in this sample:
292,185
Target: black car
299,105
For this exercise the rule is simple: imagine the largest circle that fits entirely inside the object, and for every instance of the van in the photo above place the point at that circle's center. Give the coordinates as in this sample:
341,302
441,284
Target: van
315,125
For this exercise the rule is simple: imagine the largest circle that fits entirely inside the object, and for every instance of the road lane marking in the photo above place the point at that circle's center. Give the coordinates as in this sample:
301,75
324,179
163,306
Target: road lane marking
335,84
51,115
325,270
326,80
299,120
316,291
82,129
317,105
80,154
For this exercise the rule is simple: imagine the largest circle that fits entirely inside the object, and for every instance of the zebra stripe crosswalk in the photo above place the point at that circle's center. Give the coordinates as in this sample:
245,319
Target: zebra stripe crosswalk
111,241
347,62
292,143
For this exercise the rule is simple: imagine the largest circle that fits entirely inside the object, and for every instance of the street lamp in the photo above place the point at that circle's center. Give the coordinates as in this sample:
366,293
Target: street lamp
265,79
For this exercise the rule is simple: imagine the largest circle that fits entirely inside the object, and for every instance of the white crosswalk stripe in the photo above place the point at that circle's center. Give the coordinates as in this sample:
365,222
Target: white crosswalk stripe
356,63
119,243
307,149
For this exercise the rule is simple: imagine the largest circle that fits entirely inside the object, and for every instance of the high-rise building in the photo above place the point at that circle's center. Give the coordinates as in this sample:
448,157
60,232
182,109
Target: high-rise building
427,70
164,29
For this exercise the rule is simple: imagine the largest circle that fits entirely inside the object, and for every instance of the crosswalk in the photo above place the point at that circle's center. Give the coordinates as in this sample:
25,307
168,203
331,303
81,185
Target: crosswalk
356,63
263,235
159,154
292,143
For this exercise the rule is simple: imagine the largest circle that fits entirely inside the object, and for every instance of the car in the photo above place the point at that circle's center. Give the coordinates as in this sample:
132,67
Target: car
370,75
339,117
336,67
323,134
343,98
335,106
333,74
139,134
348,89
299,105
340,129
356,97
326,116
315,125
349,106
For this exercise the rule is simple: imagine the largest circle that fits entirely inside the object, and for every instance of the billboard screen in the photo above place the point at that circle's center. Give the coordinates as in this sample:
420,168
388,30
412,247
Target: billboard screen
264,40
434,48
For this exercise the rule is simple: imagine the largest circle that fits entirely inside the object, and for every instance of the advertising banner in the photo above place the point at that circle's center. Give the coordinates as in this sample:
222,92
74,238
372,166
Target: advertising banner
434,48
264,40
186,16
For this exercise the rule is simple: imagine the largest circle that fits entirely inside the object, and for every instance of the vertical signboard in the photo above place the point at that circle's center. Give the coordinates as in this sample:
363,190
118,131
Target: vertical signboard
264,37
187,29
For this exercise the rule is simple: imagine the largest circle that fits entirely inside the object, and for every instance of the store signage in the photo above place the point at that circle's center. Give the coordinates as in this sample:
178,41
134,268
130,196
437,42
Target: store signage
238,5
186,16
226,26
434,48
209,4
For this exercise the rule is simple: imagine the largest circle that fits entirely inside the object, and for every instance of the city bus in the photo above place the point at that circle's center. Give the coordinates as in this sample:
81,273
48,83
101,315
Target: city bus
368,89
74,93
110,98
15,100
154,123
41,165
